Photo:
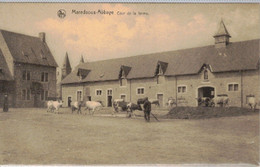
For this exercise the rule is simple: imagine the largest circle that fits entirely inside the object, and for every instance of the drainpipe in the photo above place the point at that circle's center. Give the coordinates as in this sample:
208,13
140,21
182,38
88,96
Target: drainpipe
176,89
241,72
130,90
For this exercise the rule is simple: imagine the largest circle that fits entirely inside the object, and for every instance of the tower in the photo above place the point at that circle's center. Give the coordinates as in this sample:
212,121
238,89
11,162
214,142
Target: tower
66,68
222,36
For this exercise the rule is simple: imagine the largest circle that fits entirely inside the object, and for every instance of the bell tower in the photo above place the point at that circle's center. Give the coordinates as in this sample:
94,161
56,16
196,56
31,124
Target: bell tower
66,67
222,36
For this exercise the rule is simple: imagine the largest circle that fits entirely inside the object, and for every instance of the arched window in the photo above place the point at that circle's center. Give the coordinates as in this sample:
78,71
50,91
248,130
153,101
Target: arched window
206,77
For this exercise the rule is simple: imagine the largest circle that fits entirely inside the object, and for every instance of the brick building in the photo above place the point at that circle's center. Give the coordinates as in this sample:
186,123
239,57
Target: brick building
27,69
230,68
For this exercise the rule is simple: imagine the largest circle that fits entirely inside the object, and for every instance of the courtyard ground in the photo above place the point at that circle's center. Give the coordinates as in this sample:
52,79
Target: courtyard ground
33,136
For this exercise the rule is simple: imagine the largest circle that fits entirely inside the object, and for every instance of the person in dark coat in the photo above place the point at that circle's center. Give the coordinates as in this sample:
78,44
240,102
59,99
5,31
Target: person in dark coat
147,109
5,106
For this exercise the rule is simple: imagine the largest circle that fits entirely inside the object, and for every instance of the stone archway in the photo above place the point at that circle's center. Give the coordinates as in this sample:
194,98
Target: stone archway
206,91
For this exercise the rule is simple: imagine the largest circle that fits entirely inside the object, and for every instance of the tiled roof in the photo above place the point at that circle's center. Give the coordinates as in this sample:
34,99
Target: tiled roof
235,56
28,49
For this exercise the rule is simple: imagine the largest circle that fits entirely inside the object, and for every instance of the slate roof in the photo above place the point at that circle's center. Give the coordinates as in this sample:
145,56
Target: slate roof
66,62
222,30
28,49
235,56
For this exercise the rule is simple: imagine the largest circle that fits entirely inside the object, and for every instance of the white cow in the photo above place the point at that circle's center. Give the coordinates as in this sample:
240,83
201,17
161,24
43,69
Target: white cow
54,106
252,102
171,102
221,100
50,107
76,106
92,105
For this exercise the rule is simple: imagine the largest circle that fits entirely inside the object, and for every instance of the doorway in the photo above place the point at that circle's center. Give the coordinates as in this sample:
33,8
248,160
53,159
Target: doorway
160,99
206,91
109,101
69,101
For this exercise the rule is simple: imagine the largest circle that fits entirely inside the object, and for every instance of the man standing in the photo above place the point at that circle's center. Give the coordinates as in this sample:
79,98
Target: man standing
147,109
5,106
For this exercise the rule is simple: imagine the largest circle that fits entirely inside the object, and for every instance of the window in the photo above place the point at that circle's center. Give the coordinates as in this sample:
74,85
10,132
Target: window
206,77
28,94
182,89
140,91
26,75
42,94
46,95
232,87
44,77
43,55
122,82
99,92
79,95
109,92
123,97
23,94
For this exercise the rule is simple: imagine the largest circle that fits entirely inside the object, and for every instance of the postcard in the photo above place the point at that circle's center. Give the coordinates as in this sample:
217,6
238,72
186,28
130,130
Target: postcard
167,84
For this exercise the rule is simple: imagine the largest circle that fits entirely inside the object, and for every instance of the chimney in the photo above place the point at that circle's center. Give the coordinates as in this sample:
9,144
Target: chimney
42,36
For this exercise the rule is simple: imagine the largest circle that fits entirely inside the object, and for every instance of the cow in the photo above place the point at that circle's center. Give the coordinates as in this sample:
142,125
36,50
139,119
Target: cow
171,102
119,104
76,106
152,101
206,101
54,106
252,102
222,100
131,107
155,102
93,105
50,107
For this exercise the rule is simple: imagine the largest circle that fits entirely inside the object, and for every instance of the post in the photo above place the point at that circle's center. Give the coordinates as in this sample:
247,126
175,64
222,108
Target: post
241,88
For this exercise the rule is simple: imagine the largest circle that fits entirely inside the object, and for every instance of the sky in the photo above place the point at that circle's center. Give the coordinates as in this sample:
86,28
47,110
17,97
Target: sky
160,27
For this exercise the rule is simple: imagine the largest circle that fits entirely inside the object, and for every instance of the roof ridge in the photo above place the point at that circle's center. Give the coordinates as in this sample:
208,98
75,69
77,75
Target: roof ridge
19,33
154,53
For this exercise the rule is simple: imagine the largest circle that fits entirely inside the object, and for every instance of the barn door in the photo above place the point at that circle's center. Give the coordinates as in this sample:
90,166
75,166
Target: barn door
160,98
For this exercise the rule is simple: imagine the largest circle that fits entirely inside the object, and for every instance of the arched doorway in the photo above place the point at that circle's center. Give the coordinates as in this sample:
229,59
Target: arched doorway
206,91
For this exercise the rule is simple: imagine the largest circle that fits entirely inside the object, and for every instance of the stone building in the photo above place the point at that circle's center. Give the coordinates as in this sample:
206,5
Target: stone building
27,70
230,68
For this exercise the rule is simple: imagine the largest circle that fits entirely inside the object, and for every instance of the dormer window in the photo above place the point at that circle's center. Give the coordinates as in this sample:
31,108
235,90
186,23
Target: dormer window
159,72
43,55
82,73
24,54
206,76
124,71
